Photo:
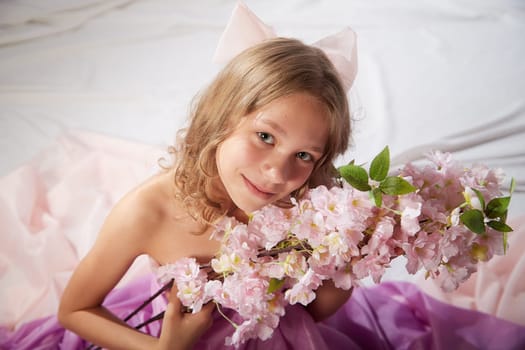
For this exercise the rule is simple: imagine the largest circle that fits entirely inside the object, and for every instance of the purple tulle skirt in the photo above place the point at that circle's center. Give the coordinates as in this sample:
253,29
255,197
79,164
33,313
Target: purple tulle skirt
392,315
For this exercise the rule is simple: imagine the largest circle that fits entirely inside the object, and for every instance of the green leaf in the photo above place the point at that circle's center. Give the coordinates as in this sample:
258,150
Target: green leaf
356,176
377,197
275,284
499,226
380,165
497,207
473,219
395,185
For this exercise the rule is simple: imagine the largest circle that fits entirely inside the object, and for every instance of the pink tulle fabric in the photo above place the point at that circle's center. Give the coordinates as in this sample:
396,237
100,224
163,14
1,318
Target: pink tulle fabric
51,210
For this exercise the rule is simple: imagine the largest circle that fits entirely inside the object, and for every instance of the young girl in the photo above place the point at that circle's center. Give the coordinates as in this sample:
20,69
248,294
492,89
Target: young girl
267,128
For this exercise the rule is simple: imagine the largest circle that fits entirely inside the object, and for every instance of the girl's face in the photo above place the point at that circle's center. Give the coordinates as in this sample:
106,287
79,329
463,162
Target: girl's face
273,151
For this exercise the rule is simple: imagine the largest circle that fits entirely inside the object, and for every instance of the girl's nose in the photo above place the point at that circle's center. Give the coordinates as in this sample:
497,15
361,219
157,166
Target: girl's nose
276,168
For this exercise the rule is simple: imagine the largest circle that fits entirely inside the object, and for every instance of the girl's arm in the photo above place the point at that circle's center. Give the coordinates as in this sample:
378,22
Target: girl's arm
328,299
126,234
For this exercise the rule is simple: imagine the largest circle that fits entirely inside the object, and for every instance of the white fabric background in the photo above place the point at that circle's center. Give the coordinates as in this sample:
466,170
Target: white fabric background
446,74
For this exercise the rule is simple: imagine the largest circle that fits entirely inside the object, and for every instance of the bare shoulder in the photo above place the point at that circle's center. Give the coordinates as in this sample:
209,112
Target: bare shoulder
141,214
150,220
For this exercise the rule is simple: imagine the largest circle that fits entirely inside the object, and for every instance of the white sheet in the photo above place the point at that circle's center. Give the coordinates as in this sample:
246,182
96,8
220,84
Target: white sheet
445,74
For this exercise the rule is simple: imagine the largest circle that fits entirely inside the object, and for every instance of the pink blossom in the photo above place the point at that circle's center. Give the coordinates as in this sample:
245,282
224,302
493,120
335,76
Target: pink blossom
422,251
371,265
303,290
410,206
491,243
252,328
227,263
457,270
271,268
281,256
293,263
321,261
243,242
272,224
325,202
245,294
487,181
310,226
360,209
190,281
336,243
455,240
344,278
223,227
352,239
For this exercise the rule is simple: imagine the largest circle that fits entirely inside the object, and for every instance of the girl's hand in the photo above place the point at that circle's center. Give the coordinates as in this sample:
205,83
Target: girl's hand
181,330
328,300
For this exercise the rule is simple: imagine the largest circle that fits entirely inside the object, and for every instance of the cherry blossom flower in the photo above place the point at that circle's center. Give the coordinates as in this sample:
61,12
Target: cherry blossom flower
282,255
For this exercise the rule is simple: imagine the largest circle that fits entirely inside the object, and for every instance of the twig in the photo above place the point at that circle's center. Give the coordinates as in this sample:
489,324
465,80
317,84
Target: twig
143,305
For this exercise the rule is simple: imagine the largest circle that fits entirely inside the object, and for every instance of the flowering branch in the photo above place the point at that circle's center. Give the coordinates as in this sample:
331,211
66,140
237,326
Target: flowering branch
442,217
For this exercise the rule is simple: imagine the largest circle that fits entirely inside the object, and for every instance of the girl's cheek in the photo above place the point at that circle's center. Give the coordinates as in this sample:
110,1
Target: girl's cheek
254,150
301,174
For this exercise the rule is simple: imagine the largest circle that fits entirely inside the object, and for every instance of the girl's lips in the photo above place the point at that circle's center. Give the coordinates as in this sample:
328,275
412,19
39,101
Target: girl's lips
255,190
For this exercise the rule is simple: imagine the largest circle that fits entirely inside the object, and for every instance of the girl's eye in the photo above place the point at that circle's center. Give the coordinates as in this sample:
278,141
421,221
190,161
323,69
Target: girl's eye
265,137
307,157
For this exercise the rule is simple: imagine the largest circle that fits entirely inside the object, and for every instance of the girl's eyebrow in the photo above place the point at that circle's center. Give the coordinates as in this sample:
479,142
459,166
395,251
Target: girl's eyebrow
273,125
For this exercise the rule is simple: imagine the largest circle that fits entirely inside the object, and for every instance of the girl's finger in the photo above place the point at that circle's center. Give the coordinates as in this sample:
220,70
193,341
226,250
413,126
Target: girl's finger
174,304
202,320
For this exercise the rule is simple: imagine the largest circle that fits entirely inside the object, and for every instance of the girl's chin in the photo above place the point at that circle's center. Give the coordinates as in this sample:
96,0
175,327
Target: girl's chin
248,209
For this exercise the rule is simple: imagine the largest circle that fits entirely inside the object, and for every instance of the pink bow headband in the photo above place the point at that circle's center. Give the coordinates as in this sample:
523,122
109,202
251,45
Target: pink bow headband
245,29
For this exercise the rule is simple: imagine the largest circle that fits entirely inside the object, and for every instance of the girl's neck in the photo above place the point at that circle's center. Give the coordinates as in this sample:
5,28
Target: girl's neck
227,205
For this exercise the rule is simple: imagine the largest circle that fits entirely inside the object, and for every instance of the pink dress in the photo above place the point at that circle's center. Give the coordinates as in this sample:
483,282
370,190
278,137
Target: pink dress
388,316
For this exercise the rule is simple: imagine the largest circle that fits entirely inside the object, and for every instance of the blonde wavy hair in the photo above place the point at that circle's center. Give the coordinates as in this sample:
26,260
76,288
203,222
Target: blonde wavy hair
251,80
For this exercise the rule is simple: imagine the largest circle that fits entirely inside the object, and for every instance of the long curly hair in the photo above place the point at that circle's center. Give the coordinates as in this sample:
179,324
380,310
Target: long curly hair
254,78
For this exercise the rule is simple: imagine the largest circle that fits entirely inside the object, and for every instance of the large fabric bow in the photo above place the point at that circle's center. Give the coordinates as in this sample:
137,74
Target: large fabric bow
245,29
